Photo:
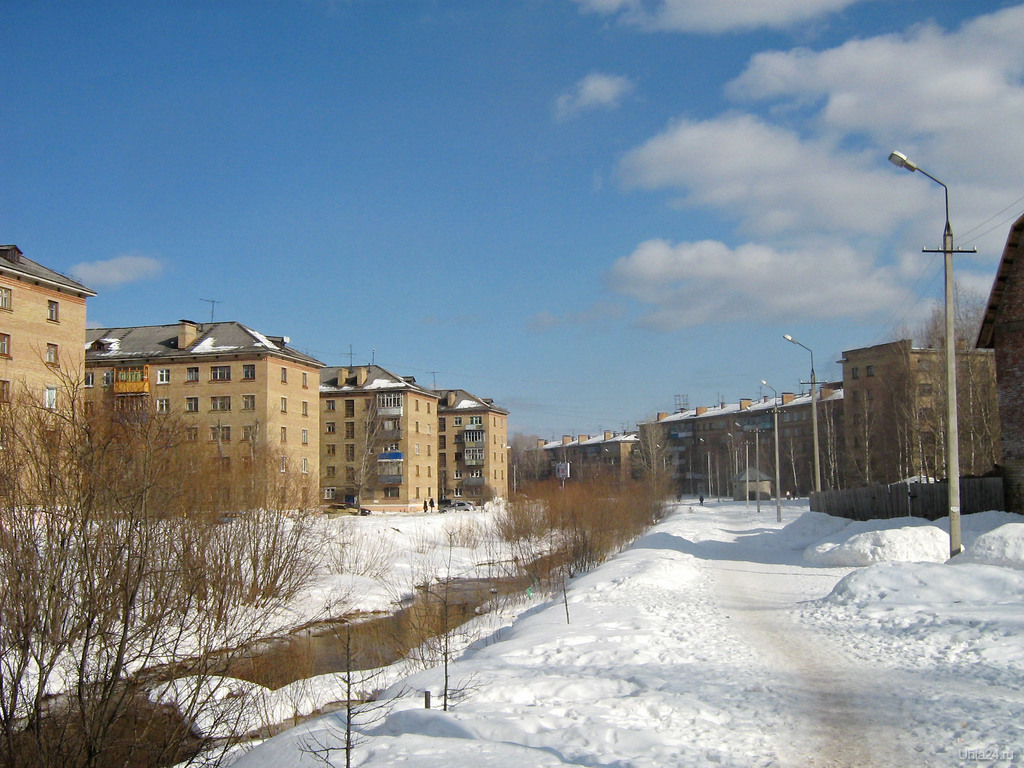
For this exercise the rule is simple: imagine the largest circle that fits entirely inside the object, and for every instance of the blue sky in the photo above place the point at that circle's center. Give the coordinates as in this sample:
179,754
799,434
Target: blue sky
581,208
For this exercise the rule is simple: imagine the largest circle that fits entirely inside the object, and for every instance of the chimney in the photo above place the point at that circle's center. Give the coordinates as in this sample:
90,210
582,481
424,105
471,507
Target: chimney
662,415
450,400
787,397
607,434
701,410
541,442
745,403
361,375
581,438
186,334
566,439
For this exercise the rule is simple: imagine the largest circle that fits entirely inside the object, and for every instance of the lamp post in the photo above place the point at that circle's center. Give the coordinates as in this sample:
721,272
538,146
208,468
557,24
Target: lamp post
775,415
814,414
746,461
900,160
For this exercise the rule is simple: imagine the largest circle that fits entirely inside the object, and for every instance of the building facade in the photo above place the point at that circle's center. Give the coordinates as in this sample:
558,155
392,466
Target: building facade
378,440
42,329
472,447
605,456
245,399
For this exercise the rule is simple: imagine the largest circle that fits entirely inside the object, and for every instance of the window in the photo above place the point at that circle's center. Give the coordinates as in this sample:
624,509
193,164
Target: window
220,403
284,434
329,471
108,378
248,402
350,430
192,373
53,311
855,373
305,408
329,405
350,408
5,344
305,380
5,298
284,405
441,423
5,391
248,371
248,432
870,370
163,375
90,378
305,465
331,449
284,375
52,354
220,433
192,434
329,494
350,453
457,420
284,463
50,397
476,420
163,405
391,493
329,427
442,442
220,372
192,404
389,400
305,437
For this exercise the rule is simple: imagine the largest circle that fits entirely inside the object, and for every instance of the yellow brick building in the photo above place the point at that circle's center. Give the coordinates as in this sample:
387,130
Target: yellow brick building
473,447
42,329
250,399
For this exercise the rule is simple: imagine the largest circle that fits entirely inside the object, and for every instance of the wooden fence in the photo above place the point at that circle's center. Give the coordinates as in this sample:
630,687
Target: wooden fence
927,500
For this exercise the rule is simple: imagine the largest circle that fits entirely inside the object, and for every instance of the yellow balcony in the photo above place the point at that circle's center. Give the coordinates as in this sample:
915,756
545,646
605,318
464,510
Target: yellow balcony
133,380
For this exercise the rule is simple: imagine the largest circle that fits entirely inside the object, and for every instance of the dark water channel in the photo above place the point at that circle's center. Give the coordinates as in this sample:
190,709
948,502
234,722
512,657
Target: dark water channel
367,642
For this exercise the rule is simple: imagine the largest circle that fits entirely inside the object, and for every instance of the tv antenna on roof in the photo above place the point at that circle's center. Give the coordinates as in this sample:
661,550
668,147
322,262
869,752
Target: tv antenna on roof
213,304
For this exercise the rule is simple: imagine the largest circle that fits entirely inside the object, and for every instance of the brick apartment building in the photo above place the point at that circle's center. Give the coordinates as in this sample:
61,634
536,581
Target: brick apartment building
246,399
472,447
42,329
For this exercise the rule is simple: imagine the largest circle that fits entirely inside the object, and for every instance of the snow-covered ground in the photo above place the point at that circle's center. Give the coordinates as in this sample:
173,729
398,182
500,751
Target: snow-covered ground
720,637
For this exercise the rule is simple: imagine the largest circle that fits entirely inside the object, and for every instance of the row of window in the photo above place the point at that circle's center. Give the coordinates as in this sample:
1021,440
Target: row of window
221,433
222,404
163,375
52,307
52,355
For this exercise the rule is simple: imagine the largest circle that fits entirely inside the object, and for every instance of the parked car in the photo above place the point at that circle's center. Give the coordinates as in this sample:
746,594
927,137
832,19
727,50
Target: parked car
457,505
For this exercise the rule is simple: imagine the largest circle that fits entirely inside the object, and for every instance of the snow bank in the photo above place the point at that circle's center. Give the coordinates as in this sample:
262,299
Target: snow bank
1002,546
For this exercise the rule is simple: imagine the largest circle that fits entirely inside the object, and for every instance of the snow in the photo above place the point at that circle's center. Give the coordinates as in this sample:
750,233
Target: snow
209,346
719,637
261,340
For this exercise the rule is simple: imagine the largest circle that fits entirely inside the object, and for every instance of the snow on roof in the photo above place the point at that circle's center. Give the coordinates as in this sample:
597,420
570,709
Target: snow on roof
468,404
209,345
260,338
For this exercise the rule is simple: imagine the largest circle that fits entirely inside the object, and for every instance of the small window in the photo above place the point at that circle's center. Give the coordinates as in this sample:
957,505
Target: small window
5,298
108,378
329,405
331,449
50,398
163,376
284,463
192,373
476,420
350,430
53,311
457,420
305,437
284,375
305,466
855,373
248,402
305,408
329,427
220,372
5,344
220,434
90,378
329,471
329,494
870,370
350,408
5,391
192,404
220,403
350,452
248,432
163,405
284,405
192,434
305,380
248,372
52,354
284,434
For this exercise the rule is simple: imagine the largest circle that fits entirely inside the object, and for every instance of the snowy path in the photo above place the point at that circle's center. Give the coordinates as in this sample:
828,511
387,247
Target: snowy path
696,647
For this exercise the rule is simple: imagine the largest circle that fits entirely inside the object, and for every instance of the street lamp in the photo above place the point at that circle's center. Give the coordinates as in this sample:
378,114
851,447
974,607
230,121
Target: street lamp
778,490
746,461
814,414
900,160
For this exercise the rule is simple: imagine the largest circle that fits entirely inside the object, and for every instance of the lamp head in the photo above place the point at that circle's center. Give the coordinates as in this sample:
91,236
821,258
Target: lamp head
787,337
902,161
765,383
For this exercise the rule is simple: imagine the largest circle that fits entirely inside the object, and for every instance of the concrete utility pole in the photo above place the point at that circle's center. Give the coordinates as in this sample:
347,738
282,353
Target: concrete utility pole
952,429
814,414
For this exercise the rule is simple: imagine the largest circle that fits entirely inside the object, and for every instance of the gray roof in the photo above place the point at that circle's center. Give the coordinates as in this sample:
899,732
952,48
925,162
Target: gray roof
14,263
756,475
161,342
344,379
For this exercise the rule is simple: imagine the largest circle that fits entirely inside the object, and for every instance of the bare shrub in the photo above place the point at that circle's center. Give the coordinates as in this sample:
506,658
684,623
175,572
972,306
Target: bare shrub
350,548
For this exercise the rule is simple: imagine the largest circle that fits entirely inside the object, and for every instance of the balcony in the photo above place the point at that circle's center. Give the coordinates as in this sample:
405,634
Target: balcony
472,438
474,481
389,411
473,462
391,434
389,479
133,380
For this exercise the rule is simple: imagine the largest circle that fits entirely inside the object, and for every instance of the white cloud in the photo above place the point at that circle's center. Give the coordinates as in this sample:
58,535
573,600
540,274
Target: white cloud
127,268
714,16
595,91
694,283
